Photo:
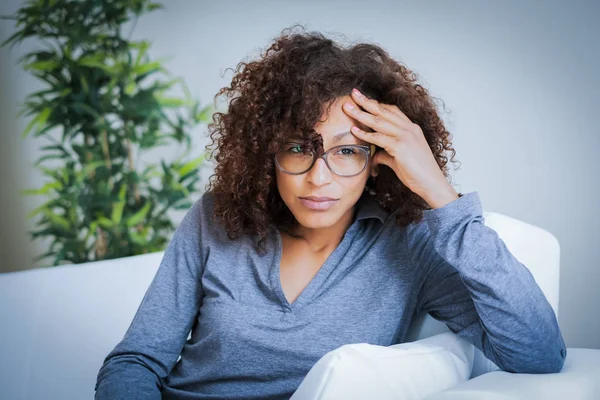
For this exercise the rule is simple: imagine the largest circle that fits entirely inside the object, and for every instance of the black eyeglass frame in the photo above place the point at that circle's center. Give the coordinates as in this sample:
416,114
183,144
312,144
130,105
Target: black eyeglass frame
370,150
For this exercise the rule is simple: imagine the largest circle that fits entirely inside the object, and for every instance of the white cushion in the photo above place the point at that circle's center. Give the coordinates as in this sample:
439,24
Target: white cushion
407,371
578,380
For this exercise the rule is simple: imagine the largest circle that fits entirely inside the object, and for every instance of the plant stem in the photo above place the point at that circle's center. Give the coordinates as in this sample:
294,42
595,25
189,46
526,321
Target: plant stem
107,156
136,192
88,154
100,245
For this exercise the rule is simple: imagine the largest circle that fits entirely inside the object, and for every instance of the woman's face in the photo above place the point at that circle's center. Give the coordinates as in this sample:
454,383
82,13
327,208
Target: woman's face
320,181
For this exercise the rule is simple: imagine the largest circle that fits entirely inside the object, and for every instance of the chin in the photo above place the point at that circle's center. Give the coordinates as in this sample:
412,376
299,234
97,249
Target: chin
316,222
317,219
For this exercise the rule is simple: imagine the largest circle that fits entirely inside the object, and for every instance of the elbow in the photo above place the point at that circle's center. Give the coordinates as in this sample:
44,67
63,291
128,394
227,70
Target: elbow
550,361
556,362
544,352
121,374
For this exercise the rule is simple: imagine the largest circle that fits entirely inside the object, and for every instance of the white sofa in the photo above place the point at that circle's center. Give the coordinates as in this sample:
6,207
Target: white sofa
57,324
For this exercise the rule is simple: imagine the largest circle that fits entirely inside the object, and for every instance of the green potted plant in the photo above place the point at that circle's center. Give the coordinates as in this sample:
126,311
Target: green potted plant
104,105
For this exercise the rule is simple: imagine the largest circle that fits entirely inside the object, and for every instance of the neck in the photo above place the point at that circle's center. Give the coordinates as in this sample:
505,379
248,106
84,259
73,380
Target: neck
324,239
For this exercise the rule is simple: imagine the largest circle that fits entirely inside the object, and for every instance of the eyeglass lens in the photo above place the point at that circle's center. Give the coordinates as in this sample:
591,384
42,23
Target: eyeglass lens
343,160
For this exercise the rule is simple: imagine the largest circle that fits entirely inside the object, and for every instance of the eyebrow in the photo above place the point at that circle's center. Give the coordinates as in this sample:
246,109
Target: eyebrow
338,136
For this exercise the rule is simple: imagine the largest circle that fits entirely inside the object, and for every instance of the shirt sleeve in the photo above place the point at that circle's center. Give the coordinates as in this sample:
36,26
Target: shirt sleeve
482,292
136,367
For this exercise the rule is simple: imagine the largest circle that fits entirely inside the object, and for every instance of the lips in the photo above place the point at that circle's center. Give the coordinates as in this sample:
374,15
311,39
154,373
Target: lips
318,203
315,198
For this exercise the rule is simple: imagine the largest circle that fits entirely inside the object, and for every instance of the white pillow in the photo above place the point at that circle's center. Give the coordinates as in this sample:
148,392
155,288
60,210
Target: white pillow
407,371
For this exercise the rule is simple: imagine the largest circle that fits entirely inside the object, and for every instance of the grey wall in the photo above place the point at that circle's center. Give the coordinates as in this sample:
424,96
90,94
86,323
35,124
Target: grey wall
517,78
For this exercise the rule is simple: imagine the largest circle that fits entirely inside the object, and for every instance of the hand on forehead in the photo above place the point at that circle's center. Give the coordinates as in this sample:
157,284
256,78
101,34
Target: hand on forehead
335,130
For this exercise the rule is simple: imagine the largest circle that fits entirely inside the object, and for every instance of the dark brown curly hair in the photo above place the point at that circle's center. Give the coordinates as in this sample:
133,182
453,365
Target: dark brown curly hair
284,94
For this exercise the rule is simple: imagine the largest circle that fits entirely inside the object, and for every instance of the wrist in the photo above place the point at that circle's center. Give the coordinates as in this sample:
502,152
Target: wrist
440,198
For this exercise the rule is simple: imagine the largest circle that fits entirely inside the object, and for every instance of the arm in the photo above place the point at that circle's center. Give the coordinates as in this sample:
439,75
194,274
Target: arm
481,291
152,344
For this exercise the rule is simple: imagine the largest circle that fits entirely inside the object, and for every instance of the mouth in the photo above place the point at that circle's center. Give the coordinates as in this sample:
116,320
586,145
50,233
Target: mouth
315,198
318,203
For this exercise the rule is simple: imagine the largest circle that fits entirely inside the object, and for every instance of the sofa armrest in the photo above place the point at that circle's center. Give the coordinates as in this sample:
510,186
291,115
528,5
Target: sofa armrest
578,380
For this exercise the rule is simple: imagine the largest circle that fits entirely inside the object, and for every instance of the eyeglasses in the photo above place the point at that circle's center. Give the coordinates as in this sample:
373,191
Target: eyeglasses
343,160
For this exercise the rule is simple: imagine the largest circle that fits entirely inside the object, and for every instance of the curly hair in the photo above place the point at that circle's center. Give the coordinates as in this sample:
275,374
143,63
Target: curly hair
284,94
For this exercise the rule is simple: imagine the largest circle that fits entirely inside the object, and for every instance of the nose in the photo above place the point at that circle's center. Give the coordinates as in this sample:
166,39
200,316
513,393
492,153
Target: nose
319,174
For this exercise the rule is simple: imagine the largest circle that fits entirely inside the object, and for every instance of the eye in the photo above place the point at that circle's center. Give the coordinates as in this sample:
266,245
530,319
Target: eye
294,148
346,151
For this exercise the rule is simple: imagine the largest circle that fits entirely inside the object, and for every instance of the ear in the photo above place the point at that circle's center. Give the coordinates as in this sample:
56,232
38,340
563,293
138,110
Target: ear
374,170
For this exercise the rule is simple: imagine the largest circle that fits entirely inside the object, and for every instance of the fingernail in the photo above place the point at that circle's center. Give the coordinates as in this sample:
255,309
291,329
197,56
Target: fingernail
355,90
349,106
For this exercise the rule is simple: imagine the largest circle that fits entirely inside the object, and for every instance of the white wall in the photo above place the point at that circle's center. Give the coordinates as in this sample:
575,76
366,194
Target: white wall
518,79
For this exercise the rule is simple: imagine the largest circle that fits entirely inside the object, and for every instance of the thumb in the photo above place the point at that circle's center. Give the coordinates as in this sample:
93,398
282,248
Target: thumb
382,157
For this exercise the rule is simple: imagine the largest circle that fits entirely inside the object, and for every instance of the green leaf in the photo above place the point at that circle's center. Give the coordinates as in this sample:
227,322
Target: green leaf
139,216
91,231
192,165
41,93
192,184
171,101
117,211
137,238
86,109
84,84
44,65
39,120
130,88
43,116
95,63
205,115
166,169
142,47
14,38
92,166
188,94
57,220
43,190
30,126
105,223
142,69
183,206
49,157
154,6
50,172
164,85
36,211
42,256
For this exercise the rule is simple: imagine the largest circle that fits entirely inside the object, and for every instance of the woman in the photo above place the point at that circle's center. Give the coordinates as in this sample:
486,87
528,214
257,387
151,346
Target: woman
329,220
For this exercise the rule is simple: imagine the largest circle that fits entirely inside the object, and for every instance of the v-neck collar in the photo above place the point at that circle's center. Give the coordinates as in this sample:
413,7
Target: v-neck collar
315,283
366,207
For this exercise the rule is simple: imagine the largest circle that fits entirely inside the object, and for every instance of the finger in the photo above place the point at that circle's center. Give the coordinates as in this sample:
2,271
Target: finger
376,122
383,157
377,108
386,142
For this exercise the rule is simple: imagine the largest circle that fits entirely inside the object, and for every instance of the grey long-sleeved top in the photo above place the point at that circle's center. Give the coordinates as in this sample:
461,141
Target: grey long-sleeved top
248,342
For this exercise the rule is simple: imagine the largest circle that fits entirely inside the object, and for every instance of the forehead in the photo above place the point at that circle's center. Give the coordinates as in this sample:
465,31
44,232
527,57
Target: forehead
335,126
